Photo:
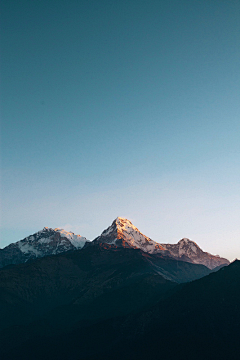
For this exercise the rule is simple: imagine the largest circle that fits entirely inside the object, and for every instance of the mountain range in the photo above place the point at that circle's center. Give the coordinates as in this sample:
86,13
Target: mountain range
121,233
120,296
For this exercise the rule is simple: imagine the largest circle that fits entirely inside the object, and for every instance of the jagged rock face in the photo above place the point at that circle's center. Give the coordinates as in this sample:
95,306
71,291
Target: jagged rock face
45,242
188,250
123,233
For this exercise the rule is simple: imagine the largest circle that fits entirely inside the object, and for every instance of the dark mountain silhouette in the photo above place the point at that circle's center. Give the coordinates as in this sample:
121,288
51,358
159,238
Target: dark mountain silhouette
197,320
56,293
122,296
202,320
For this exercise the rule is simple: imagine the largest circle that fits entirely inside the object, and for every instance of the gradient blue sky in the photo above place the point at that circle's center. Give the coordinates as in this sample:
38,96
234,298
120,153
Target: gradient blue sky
122,108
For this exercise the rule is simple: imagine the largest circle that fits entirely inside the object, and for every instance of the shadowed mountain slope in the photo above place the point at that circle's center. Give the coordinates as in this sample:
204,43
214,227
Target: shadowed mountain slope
197,320
55,294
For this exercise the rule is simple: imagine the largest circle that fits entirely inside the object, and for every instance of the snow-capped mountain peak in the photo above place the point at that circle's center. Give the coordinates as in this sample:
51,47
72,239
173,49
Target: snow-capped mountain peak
120,224
54,238
188,250
190,245
47,241
123,233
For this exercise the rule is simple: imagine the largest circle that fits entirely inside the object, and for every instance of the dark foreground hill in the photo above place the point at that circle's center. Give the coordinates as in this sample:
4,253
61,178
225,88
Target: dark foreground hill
198,320
48,299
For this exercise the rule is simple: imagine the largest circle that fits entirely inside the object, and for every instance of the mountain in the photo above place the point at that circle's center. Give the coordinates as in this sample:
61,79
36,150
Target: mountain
52,294
45,242
188,250
122,296
201,320
123,233
106,302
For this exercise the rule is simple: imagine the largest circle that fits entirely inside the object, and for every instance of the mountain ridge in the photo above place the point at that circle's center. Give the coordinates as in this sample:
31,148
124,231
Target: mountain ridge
121,233
43,243
106,302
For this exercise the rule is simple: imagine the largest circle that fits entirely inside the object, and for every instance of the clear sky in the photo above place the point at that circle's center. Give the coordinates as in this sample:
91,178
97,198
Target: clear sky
122,108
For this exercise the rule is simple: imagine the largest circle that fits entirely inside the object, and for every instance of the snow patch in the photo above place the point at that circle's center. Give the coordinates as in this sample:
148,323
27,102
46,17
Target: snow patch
27,248
44,240
77,241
